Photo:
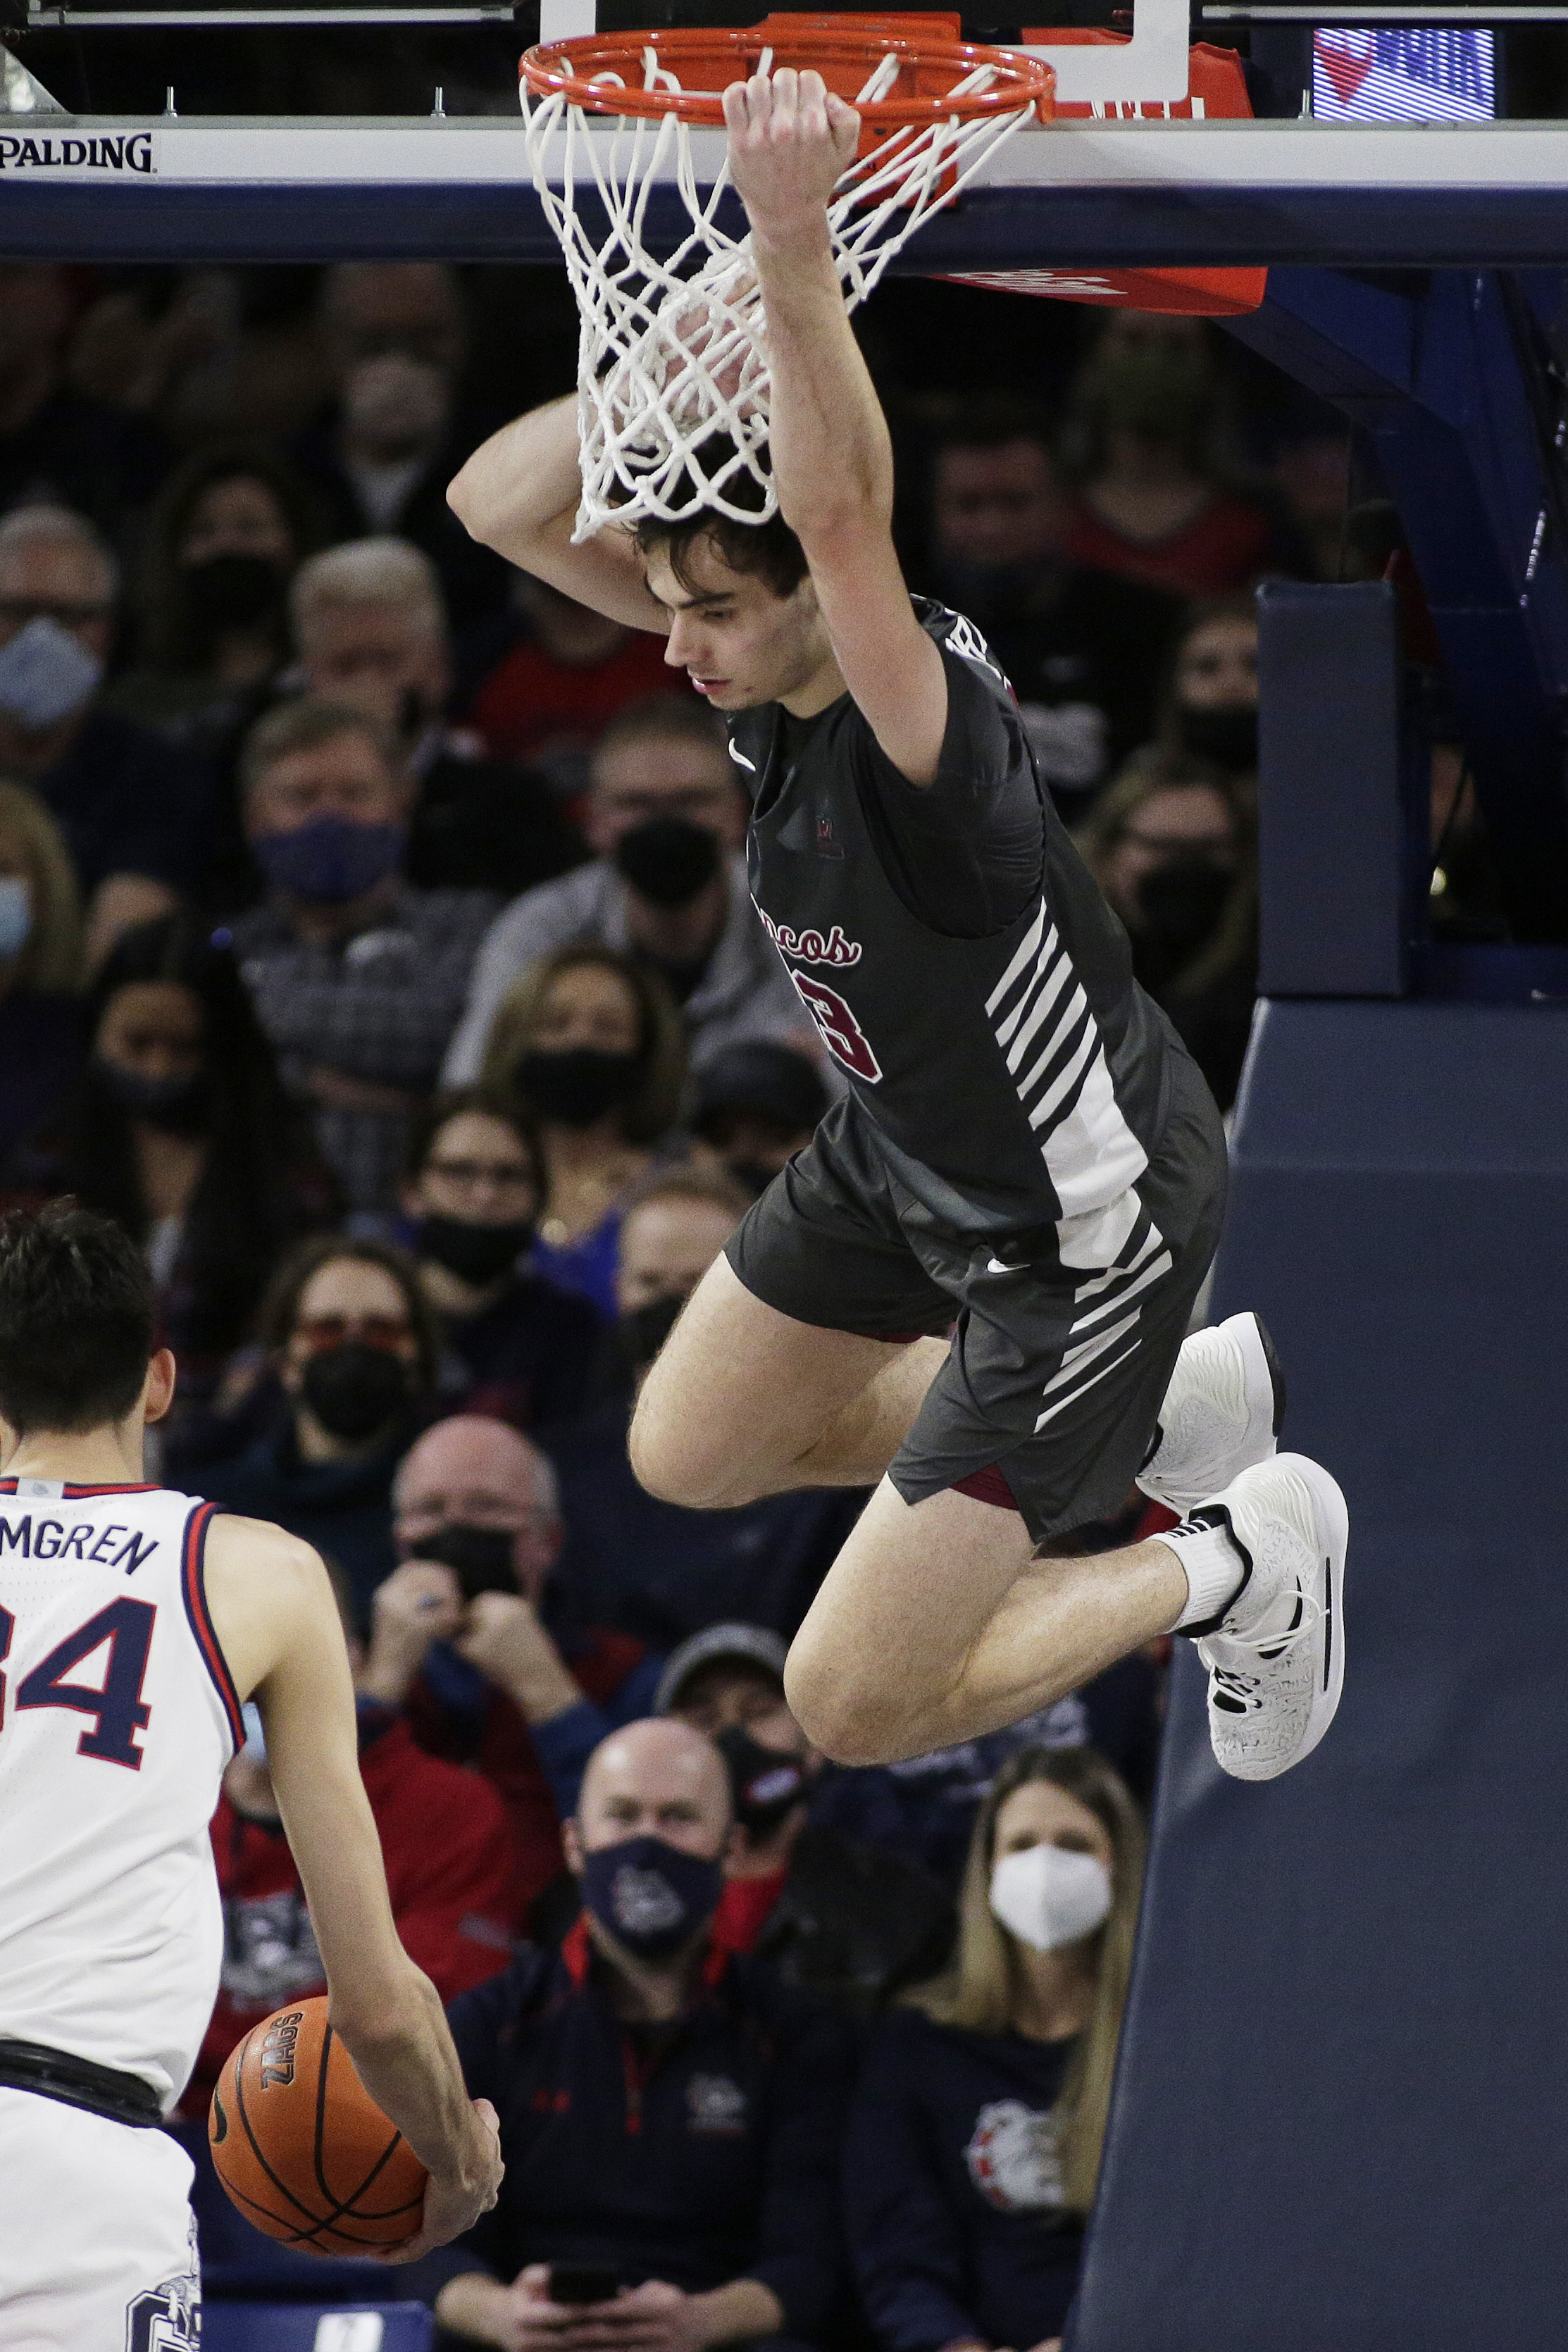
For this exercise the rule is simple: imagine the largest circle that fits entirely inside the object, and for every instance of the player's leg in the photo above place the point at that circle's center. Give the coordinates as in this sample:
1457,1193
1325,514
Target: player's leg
937,1623
774,1376
97,2253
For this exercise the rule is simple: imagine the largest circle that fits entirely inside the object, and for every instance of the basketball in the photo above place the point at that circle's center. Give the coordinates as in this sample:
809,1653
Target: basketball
303,2149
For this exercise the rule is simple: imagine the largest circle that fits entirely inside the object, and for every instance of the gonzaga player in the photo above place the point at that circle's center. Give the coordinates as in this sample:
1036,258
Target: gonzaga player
133,1623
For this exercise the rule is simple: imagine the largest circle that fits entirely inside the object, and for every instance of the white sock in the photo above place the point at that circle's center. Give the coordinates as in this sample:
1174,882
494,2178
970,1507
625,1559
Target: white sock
1214,1569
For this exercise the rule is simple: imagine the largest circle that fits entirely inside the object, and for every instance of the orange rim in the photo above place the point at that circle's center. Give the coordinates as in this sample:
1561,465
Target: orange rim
568,69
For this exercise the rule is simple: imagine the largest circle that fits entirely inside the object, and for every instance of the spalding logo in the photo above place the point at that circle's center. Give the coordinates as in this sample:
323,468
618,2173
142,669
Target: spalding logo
278,2050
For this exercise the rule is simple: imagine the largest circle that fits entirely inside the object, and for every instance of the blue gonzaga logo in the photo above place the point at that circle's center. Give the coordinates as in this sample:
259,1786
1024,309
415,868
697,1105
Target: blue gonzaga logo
132,151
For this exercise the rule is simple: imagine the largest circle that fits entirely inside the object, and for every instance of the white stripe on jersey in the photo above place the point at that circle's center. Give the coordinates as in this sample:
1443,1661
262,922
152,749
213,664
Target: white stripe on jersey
1091,1155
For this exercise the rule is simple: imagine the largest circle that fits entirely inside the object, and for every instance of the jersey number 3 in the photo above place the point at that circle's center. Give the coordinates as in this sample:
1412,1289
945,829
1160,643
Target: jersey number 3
125,1630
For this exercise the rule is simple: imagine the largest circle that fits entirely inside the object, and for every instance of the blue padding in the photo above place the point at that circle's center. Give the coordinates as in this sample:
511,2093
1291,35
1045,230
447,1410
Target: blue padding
1330,834
322,2327
990,228
1341,2118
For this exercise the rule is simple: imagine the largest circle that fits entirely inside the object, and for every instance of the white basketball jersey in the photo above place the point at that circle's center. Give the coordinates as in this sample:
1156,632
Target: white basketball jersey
117,1717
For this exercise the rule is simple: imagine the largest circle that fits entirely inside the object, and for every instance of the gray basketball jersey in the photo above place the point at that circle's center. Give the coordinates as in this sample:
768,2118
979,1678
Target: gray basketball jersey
1017,1082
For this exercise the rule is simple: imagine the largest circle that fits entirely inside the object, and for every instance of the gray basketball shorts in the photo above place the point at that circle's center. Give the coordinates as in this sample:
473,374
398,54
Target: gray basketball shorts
1051,1393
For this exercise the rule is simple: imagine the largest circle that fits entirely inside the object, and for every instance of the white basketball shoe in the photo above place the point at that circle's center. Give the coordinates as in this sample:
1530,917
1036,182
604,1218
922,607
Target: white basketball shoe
1222,1412
1276,1656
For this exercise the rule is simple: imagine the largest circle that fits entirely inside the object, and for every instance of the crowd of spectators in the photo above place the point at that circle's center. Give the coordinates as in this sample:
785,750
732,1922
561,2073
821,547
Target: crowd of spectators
375,945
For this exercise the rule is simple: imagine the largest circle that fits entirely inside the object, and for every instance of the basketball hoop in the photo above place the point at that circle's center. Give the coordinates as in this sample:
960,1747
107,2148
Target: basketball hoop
672,374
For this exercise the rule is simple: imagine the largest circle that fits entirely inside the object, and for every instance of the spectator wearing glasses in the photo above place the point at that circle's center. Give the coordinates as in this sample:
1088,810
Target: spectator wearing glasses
128,803
835,1916
352,1349
669,2113
357,977
517,1346
667,888
371,628
481,1648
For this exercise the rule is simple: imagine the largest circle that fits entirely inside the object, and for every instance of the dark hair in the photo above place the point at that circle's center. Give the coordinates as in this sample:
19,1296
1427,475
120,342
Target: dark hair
263,1183
280,1307
452,1103
170,634
769,550
76,1320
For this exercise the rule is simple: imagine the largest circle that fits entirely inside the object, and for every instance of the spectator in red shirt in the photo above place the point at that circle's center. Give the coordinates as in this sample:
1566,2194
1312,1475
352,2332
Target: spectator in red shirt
451,1871
1149,506
548,700
474,1649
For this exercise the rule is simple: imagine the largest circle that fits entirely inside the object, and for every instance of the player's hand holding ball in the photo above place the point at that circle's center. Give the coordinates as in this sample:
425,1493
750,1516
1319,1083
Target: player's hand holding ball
791,140
307,2157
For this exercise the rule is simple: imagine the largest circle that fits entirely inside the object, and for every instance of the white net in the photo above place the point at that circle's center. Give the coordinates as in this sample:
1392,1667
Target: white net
672,369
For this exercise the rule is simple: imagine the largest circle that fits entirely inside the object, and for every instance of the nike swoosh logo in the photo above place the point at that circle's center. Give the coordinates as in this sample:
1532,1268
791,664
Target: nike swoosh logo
741,760
996,1266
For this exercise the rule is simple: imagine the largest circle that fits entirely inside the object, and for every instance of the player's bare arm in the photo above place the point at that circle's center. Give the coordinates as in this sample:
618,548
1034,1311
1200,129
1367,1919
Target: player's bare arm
790,139
519,493
276,1621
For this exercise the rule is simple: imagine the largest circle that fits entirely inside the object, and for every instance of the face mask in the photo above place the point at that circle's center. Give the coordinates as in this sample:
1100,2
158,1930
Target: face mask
46,674
668,860
644,1331
577,1087
330,860
1182,899
175,1105
474,1253
1228,736
653,1898
1049,1897
767,1784
231,592
15,915
354,1390
482,1558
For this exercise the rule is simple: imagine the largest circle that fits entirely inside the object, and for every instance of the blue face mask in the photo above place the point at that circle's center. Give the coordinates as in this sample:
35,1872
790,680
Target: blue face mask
654,1898
329,860
15,915
46,674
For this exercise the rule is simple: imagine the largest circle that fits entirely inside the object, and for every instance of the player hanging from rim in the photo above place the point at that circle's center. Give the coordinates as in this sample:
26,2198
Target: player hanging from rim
133,1624
1024,1145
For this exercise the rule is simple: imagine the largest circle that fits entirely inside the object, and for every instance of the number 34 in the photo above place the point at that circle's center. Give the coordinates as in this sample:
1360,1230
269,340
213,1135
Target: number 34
116,1707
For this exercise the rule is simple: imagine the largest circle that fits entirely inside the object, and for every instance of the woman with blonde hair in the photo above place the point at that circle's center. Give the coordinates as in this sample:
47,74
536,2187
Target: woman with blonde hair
976,2135
588,1047
42,1037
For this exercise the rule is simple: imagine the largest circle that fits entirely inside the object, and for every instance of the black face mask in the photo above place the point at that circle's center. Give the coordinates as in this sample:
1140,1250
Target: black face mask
480,1557
474,1253
1228,736
667,859
175,1105
1182,899
354,1390
767,1784
578,1086
644,1331
231,592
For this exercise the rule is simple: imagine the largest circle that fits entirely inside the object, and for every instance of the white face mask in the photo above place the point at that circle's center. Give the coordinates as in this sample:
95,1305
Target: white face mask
1049,1896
